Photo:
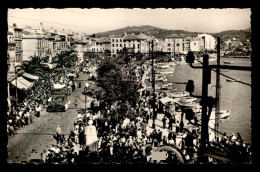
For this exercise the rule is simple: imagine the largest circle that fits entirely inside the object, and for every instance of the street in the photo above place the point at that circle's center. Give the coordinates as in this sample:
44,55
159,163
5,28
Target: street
39,134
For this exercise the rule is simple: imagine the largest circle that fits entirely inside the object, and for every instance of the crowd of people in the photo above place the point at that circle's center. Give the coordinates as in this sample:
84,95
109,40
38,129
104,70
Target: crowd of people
234,147
35,101
124,138
20,116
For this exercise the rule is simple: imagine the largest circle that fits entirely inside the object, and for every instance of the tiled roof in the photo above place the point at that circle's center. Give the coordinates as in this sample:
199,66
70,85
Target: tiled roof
103,39
116,36
133,37
175,36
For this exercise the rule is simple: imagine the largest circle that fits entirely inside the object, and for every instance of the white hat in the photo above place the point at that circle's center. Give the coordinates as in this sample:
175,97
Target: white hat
90,122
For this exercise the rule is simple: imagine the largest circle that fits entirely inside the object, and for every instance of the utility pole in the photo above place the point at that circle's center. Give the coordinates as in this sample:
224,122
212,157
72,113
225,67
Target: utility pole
204,122
217,88
206,75
153,86
16,94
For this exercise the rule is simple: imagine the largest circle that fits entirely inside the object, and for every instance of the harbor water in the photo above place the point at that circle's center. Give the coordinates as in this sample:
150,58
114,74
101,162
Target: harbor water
234,96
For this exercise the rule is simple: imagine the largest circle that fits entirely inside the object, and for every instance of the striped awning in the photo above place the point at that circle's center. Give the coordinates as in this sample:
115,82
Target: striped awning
22,83
27,75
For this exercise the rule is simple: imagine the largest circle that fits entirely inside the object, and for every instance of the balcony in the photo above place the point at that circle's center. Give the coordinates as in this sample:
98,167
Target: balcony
11,43
17,39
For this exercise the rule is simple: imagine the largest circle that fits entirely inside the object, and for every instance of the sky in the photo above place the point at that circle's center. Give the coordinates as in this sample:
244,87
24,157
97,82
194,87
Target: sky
96,20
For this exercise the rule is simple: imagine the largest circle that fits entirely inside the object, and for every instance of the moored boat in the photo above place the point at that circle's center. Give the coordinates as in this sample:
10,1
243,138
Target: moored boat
222,114
228,62
231,80
167,72
179,94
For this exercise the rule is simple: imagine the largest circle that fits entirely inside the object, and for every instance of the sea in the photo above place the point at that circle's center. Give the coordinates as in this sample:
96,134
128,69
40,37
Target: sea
234,96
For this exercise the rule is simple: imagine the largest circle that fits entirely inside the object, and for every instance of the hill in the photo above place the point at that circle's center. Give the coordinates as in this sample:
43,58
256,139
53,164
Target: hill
145,29
241,35
163,33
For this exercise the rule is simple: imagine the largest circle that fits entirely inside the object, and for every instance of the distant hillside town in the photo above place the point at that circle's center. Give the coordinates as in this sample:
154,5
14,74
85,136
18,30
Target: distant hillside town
48,42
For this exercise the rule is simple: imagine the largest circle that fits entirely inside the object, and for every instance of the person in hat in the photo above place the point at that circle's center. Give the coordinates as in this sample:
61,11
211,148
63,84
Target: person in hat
164,121
58,134
171,121
38,110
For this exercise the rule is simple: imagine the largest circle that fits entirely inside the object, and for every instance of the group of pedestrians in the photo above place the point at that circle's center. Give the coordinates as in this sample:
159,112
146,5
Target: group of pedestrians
34,102
20,116
123,138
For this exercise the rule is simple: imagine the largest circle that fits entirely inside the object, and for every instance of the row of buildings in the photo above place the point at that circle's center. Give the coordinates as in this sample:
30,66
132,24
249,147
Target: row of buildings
39,41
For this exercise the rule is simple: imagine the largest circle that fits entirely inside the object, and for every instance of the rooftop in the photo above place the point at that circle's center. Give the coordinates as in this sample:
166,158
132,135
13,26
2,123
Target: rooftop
116,36
133,37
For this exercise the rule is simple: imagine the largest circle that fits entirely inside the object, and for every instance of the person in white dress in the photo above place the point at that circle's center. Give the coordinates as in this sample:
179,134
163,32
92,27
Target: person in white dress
91,136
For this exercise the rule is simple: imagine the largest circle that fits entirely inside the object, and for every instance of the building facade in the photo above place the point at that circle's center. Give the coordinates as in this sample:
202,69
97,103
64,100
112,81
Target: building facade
174,45
134,44
11,57
116,44
196,45
209,41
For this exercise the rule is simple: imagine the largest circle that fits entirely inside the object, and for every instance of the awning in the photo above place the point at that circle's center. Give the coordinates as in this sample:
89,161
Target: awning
22,83
167,99
33,77
58,86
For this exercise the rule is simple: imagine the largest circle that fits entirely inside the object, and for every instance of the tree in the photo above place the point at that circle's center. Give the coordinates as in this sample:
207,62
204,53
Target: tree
127,59
117,90
35,66
65,59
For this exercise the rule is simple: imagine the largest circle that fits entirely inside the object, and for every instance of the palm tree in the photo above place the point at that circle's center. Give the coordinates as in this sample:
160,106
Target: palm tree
65,59
35,66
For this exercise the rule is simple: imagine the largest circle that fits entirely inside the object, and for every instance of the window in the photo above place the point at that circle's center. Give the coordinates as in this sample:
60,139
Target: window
112,40
194,43
112,45
116,40
116,45
177,44
120,40
138,45
124,45
133,45
120,45
169,45
168,49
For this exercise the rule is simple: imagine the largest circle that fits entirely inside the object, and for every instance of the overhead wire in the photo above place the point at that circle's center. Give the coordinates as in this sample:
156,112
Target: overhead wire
227,75
54,22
